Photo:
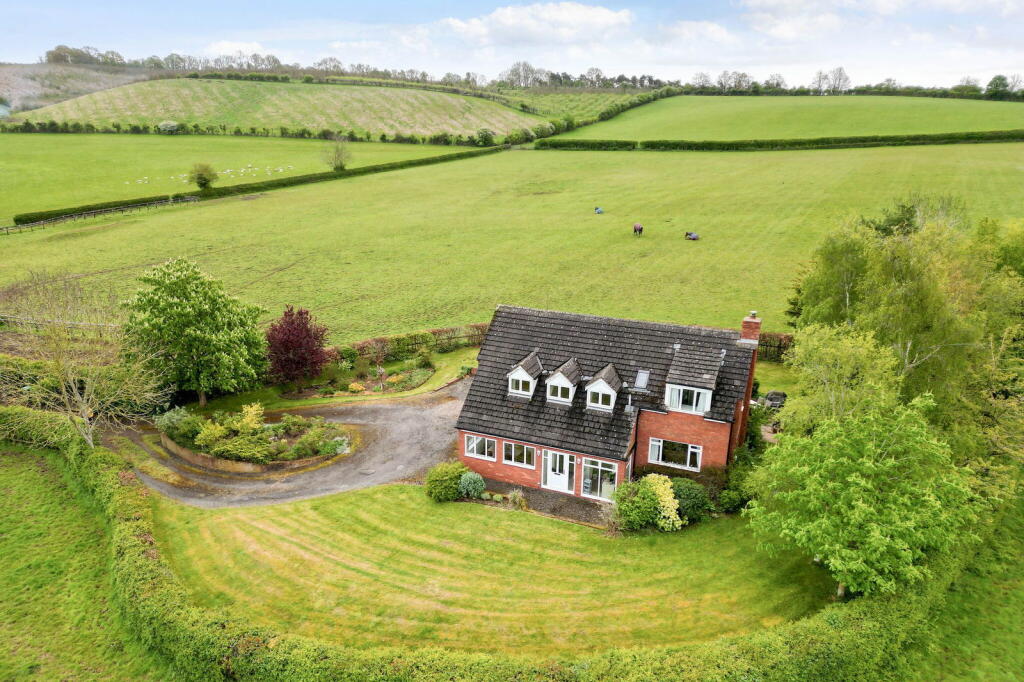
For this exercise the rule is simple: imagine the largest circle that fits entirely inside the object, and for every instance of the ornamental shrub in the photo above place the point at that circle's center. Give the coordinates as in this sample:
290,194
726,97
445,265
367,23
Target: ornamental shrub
731,500
694,502
442,484
668,507
356,387
636,505
424,359
210,434
250,448
471,485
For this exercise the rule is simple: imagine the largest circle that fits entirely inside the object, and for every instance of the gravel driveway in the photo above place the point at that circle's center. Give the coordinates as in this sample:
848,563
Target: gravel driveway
401,439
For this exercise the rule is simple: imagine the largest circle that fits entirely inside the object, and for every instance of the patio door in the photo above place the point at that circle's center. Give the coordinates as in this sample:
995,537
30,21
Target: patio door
559,471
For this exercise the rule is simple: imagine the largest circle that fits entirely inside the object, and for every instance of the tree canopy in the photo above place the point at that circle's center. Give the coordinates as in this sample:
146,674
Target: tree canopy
869,495
208,341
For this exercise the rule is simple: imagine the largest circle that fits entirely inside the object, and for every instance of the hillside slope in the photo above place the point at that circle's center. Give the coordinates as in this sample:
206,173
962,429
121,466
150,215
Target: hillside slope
746,118
294,105
34,85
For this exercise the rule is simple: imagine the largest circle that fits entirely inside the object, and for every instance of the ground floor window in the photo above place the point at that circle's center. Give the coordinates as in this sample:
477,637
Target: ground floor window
519,454
598,479
480,447
673,454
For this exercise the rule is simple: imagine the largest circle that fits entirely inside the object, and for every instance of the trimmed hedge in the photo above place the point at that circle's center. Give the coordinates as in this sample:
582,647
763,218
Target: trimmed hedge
859,641
586,145
776,145
36,216
251,187
405,346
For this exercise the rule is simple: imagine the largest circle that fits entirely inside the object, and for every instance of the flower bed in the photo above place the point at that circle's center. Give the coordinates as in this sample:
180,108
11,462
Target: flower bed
245,436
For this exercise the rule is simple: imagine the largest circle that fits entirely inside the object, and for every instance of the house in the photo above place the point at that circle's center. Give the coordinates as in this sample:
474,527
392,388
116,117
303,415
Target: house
576,403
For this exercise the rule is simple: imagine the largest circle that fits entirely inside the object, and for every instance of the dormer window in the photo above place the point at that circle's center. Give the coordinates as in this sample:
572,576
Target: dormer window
522,386
602,389
600,400
687,399
522,379
562,383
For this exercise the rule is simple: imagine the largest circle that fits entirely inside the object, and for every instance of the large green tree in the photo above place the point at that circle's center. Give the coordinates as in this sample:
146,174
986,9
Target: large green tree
841,371
869,495
208,341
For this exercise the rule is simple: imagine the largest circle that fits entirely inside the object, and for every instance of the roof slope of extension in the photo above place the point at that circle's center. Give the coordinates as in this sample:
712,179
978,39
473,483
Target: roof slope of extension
701,357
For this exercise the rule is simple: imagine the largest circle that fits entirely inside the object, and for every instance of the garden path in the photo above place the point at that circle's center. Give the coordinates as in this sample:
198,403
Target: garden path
401,438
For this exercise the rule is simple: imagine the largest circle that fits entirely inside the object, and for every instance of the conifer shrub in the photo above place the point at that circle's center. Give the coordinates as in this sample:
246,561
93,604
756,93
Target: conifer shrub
442,483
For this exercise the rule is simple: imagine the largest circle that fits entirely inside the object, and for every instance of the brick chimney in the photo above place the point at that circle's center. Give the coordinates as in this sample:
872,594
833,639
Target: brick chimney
751,327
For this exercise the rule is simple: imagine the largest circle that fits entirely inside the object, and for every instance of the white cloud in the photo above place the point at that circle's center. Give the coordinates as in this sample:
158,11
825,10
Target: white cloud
700,31
563,23
794,26
226,47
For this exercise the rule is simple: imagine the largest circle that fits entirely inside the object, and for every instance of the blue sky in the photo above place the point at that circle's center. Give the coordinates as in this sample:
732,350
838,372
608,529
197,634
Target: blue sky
932,42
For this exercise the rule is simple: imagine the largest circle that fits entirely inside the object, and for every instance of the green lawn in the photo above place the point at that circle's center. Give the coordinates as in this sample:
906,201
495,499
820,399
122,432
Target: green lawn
387,566
775,376
56,619
41,172
439,246
978,636
295,105
744,118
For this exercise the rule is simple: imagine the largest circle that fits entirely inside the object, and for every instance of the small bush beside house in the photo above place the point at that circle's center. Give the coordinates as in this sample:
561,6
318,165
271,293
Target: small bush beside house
693,499
647,503
471,485
442,483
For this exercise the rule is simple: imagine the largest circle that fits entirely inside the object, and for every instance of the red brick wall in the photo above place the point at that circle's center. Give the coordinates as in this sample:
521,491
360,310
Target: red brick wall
684,428
518,475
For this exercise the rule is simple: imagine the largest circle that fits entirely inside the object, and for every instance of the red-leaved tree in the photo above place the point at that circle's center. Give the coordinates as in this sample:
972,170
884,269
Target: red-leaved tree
295,346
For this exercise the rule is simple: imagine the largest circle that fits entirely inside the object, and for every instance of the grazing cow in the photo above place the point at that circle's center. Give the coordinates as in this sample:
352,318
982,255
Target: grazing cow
638,230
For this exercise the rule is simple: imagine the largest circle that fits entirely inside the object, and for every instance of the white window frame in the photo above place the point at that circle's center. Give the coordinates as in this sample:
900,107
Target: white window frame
656,445
561,383
601,465
511,462
700,404
515,381
571,462
469,449
601,388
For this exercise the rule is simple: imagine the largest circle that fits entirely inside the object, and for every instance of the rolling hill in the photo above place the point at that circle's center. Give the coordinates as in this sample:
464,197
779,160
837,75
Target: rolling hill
746,118
294,105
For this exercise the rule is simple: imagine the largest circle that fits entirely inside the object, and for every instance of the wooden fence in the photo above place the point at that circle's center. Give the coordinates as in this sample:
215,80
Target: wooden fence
10,229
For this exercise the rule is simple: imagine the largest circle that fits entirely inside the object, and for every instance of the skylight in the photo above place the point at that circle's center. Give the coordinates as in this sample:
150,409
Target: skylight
641,379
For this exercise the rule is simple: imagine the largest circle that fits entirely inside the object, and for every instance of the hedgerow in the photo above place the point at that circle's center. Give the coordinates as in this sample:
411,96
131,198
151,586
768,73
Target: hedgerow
857,641
251,187
586,145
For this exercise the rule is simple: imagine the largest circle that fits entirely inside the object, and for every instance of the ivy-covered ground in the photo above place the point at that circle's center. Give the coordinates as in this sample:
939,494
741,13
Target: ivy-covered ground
56,618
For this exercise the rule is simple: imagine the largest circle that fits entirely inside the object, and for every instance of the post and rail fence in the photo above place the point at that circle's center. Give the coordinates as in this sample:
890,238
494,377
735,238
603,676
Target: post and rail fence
11,229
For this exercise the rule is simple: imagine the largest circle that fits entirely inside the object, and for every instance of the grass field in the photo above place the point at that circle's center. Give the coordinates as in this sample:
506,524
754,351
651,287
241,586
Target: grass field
295,105
56,619
744,118
438,246
569,101
41,172
387,566
978,636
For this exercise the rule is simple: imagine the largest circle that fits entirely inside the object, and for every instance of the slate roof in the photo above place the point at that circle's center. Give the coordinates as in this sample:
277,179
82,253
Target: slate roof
570,369
595,342
531,364
609,376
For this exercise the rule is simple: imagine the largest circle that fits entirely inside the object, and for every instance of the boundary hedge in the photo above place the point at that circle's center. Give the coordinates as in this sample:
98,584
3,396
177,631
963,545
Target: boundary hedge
857,641
251,187
783,144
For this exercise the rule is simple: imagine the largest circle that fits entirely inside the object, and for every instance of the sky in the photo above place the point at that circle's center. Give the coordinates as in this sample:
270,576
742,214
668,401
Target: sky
924,42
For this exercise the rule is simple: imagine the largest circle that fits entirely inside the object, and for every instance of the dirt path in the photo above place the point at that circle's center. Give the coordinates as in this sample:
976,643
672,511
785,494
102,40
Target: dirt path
401,439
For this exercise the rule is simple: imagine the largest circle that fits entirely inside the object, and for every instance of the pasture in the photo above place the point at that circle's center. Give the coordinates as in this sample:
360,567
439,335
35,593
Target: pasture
42,171
56,618
439,246
747,118
294,105
387,566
